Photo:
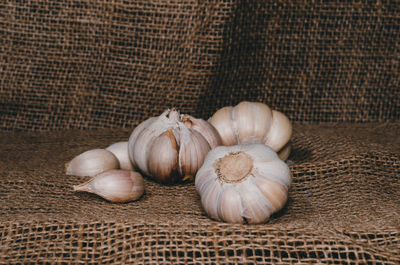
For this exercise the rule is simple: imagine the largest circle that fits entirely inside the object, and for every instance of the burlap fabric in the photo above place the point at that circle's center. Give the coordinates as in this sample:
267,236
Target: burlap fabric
77,75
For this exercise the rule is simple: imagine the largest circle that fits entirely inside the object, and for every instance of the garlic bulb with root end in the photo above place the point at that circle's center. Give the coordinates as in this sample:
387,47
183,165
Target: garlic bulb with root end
115,185
171,147
120,150
91,163
243,183
252,122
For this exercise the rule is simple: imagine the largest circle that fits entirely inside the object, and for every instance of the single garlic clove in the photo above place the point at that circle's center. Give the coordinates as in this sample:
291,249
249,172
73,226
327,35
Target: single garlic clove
132,139
275,192
230,206
253,120
256,208
91,163
115,185
163,158
276,170
211,190
204,128
280,132
120,150
222,121
193,150
141,149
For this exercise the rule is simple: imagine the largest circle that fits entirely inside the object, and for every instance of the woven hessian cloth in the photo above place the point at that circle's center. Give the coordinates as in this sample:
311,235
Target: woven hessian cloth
78,75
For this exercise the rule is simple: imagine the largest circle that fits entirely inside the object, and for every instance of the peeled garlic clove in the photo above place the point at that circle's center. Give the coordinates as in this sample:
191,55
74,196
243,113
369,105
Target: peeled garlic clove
91,163
115,185
120,150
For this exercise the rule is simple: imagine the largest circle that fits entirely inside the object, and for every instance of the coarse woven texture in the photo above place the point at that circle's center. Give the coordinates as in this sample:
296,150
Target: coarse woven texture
109,64
343,206
77,75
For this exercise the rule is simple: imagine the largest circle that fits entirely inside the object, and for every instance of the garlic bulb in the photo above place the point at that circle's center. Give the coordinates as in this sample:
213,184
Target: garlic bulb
243,183
171,147
120,150
91,163
252,122
115,185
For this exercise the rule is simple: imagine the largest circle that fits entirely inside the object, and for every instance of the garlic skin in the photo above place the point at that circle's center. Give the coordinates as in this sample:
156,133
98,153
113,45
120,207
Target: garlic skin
252,122
243,183
120,150
91,163
115,185
171,147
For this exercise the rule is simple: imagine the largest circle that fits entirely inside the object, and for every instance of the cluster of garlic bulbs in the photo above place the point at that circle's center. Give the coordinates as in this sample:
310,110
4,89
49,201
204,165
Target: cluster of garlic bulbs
171,147
243,183
254,122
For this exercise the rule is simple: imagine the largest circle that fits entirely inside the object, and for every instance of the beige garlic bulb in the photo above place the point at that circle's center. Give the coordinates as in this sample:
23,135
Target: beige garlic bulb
253,122
115,185
243,183
171,147
120,150
91,163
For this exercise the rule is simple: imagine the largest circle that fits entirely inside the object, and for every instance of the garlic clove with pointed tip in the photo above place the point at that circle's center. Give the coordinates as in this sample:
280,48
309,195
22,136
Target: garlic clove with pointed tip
91,163
120,150
115,185
204,128
163,158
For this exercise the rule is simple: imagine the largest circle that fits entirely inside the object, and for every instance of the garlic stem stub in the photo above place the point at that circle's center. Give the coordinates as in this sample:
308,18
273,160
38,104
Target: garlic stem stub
253,122
91,163
171,147
243,183
115,185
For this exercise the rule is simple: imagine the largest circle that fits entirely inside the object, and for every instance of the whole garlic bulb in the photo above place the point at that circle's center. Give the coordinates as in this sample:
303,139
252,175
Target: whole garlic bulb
253,122
171,147
243,183
115,185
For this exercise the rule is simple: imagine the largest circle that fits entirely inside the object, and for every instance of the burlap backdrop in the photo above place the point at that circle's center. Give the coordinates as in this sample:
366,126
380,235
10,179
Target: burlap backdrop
69,66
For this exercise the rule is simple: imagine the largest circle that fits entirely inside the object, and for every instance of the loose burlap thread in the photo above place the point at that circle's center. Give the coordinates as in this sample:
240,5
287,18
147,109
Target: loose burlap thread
77,75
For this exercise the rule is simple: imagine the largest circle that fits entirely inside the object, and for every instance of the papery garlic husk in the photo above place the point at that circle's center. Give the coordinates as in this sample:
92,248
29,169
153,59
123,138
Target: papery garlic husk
171,147
115,185
252,122
243,183
120,150
91,163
